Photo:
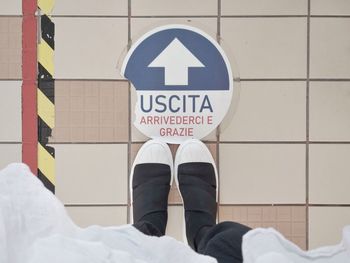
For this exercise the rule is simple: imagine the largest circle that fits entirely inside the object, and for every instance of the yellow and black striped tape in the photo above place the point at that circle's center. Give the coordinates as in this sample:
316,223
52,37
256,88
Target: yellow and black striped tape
46,95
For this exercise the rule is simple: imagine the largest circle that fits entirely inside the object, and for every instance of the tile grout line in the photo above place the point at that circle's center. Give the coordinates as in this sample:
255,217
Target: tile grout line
272,79
262,142
330,16
241,79
264,16
285,142
92,79
90,16
11,16
186,16
221,205
174,16
218,37
266,205
87,143
307,145
129,122
329,205
330,79
95,205
212,142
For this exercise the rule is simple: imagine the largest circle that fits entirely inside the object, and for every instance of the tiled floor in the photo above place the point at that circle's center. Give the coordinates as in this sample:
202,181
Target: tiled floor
89,8
10,89
91,111
326,225
85,216
10,47
283,156
329,111
270,7
10,111
258,115
98,170
171,8
266,47
10,153
89,48
289,220
329,48
329,174
262,174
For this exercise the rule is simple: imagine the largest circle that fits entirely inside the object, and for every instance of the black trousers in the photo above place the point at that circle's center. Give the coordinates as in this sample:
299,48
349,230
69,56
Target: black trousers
222,241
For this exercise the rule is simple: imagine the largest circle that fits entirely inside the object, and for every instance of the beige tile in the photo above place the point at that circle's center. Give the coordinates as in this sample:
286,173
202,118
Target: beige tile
91,111
10,7
266,47
175,222
329,48
89,48
330,7
289,220
268,111
10,47
10,111
140,26
262,174
98,215
89,7
329,111
329,174
174,195
326,225
91,173
135,147
137,136
263,7
10,153
211,137
169,7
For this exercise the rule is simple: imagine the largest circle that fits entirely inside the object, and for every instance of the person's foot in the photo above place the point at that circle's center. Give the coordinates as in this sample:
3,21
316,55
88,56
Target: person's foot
196,178
150,182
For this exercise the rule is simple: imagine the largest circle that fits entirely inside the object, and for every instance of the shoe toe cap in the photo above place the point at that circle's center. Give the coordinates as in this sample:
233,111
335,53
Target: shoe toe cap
154,152
194,151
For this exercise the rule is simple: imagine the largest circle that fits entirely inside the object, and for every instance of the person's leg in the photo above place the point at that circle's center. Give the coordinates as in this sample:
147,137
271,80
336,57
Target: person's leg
148,228
196,177
222,241
150,181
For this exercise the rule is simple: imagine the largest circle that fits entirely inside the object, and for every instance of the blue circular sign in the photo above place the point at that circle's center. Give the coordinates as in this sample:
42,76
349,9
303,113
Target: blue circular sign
183,82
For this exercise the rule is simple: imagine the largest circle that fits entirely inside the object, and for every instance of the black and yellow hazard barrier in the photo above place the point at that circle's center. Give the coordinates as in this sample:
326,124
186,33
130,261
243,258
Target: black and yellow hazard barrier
46,95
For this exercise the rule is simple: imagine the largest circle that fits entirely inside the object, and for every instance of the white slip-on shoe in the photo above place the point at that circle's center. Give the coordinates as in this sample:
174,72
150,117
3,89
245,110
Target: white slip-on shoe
150,181
197,179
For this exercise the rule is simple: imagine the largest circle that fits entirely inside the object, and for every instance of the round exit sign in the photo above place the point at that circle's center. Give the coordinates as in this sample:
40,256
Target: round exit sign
183,82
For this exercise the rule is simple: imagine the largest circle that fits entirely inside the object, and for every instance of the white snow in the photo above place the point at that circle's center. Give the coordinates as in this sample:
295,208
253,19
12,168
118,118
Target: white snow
267,245
35,228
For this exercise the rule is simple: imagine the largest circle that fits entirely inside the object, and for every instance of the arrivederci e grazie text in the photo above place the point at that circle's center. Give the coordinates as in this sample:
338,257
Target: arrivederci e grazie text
191,108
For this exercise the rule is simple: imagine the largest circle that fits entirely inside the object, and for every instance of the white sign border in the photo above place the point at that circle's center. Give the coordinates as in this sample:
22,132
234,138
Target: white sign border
135,45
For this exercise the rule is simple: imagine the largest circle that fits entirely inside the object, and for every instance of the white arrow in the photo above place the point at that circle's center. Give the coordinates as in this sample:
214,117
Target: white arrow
176,59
